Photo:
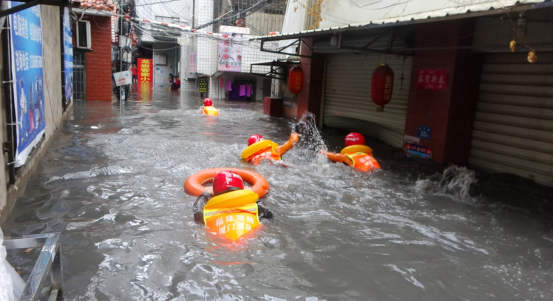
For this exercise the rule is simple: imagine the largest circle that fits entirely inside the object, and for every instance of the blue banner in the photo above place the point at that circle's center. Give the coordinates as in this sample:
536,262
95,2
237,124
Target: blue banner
26,69
67,56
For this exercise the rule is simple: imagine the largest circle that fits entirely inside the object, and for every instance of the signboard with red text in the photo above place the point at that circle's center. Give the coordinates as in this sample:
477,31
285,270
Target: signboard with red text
145,70
432,79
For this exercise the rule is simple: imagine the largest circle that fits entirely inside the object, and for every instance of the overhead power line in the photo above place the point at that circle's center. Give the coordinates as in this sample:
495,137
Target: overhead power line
251,9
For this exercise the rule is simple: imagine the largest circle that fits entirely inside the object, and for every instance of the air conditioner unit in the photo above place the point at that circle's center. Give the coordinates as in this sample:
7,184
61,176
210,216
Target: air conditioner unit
83,35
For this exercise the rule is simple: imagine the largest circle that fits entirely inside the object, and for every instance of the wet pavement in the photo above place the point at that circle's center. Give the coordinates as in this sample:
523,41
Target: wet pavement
112,182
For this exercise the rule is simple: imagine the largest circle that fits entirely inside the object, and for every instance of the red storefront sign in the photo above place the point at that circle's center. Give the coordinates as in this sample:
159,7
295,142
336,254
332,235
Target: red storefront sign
432,79
145,70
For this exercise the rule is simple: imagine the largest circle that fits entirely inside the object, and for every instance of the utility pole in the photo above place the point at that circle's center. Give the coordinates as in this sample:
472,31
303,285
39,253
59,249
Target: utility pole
121,13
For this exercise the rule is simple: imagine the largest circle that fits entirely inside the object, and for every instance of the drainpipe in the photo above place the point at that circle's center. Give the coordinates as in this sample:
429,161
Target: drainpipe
10,145
121,90
62,39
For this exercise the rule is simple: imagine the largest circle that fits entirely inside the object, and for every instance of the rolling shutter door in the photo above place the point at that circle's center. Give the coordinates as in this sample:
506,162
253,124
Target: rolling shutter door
513,128
347,98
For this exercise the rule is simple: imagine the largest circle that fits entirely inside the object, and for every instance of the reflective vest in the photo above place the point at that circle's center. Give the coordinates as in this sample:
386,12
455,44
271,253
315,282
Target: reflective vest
268,153
363,161
232,223
232,214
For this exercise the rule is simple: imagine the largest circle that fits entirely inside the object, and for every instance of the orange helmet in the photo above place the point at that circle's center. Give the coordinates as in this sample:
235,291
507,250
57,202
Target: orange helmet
355,139
254,138
208,102
226,181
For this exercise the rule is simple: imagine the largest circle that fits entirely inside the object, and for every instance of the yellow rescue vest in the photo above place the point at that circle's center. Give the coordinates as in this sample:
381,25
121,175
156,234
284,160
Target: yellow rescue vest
211,111
363,161
232,214
264,149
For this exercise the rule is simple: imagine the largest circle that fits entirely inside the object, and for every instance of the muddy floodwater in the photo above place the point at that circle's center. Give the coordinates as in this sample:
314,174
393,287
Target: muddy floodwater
112,183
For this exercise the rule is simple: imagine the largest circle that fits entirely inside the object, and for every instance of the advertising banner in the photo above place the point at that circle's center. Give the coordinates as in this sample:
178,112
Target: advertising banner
122,78
192,63
230,52
67,56
145,70
26,70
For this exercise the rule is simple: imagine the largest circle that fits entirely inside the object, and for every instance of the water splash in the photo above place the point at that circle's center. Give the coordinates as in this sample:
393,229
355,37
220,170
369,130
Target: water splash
310,136
455,181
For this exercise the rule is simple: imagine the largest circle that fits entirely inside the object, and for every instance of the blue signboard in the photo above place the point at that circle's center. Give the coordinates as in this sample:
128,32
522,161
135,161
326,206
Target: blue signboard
67,56
26,69
423,132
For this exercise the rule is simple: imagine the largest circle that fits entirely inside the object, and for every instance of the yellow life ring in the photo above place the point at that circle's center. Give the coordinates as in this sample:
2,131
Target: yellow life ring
232,199
256,147
357,149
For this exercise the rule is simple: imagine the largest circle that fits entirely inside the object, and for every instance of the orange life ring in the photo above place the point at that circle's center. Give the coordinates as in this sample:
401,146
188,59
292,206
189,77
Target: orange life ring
194,184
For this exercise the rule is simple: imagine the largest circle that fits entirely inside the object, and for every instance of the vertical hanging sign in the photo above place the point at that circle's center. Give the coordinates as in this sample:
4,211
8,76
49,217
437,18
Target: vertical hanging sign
145,70
230,52
67,56
26,72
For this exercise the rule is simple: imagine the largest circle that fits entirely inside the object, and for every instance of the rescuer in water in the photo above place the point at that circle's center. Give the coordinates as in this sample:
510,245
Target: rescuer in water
356,154
259,149
208,108
228,208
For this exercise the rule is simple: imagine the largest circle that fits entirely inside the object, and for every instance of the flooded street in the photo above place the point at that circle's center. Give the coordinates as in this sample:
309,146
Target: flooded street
113,184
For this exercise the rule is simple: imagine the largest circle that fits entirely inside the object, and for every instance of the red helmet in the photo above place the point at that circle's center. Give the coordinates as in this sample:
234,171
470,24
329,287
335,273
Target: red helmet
355,139
227,181
254,138
208,102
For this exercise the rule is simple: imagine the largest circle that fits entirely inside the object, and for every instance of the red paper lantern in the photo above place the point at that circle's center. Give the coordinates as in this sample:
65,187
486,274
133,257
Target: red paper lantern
382,85
295,80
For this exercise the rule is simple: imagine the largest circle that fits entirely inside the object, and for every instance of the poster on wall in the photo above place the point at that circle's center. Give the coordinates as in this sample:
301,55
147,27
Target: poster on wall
26,70
192,64
230,52
145,70
67,56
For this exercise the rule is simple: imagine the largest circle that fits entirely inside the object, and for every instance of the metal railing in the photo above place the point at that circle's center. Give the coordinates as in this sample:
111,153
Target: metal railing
46,278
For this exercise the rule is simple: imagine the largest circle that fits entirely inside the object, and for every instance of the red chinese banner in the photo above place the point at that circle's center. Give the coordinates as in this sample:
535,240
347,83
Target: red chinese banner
145,70
432,79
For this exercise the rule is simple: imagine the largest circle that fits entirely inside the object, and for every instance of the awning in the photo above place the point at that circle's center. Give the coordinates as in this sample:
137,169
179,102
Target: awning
452,13
275,68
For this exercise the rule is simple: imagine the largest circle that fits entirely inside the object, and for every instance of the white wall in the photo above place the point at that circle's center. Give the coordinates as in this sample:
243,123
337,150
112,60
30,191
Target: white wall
261,24
161,72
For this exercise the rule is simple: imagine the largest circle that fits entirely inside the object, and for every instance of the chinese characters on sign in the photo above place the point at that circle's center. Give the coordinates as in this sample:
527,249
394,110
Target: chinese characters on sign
145,70
27,81
413,150
203,85
388,87
234,222
230,52
432,79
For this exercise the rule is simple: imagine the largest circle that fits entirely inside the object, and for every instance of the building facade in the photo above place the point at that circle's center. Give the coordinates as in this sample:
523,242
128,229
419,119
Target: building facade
462,91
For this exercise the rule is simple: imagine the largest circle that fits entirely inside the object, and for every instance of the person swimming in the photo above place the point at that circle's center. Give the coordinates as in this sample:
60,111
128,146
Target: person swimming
259,149
228,208
208,108
355,154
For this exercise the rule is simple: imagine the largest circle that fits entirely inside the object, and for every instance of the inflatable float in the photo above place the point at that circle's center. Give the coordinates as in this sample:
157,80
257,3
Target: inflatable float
257,147
194,184
356,149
